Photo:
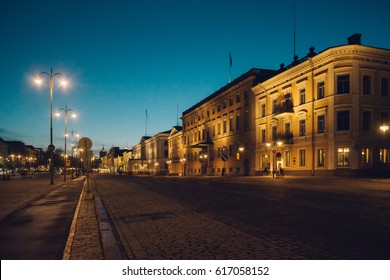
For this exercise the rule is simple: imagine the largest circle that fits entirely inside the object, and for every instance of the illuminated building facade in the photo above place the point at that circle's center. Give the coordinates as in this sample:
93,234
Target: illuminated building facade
150,156
219,131
176,161
321,115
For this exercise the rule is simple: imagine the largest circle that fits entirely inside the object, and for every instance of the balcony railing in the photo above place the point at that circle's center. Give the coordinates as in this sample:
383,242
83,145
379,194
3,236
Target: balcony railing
286,138
286,106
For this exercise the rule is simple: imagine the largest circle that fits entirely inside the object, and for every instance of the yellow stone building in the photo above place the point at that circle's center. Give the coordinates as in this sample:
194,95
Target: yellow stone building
176,161
219,131
322,114
150,156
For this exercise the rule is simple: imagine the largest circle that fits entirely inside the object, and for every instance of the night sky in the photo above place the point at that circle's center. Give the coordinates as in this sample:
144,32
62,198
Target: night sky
125,57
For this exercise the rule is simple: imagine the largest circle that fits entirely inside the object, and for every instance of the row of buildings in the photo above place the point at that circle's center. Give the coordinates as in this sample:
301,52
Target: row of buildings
326,113
17,155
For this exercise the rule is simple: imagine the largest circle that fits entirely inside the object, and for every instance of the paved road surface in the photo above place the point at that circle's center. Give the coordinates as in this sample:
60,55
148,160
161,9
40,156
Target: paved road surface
249,218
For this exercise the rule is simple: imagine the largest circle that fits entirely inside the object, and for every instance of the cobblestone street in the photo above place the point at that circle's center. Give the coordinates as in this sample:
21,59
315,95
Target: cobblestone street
146,218
179,218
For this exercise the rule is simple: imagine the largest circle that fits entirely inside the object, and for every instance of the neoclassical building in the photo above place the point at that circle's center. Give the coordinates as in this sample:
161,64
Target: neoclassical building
322,114
176,160
150,156
219,131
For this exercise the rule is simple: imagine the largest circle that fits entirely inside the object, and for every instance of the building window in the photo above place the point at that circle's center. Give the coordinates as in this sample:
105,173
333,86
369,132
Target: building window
343,122
246,119
366,156
230,101
231,128
274,105
287,128
287,158
343,157
238,123
224,104
366,85
224,126
321,124
263,136
302,158
230,149
302,96
219,128
302,127
264,161
321,157
384,86
238,97
384,118
263,110
343,84
384,155
366,122
274,132
213,129
320,90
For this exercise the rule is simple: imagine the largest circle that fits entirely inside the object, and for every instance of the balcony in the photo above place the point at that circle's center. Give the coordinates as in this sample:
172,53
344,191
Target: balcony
286,138
286,106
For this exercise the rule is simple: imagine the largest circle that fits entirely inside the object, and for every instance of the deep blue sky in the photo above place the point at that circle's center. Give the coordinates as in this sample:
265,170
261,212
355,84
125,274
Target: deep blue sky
125,57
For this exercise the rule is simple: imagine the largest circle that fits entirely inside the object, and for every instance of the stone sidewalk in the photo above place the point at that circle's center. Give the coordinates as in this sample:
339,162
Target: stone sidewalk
91,235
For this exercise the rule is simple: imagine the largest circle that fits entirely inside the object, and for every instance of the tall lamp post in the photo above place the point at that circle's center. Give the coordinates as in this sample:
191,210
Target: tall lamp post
51,147
72,134
66,110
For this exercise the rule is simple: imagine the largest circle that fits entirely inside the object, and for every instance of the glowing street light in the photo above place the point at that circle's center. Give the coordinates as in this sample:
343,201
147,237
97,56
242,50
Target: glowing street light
66,110
51,147
384,128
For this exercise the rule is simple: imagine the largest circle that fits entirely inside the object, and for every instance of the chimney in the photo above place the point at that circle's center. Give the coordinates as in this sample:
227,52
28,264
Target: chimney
354,39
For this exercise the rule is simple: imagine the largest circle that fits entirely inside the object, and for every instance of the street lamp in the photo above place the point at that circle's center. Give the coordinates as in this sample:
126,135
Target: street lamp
203,160
72,134
66,110
51,147
238,157
384,128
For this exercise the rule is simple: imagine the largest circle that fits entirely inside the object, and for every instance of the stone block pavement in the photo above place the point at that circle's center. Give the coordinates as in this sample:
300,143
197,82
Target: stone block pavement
131,222
151,226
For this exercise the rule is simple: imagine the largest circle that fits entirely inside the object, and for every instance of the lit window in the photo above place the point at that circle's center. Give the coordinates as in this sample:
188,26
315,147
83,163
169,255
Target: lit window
384,155
287,158
321,157
302,158
366,156
343,157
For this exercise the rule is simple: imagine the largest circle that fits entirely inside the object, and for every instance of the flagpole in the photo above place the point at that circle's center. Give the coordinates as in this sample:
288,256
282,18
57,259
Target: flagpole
146,123
230,66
